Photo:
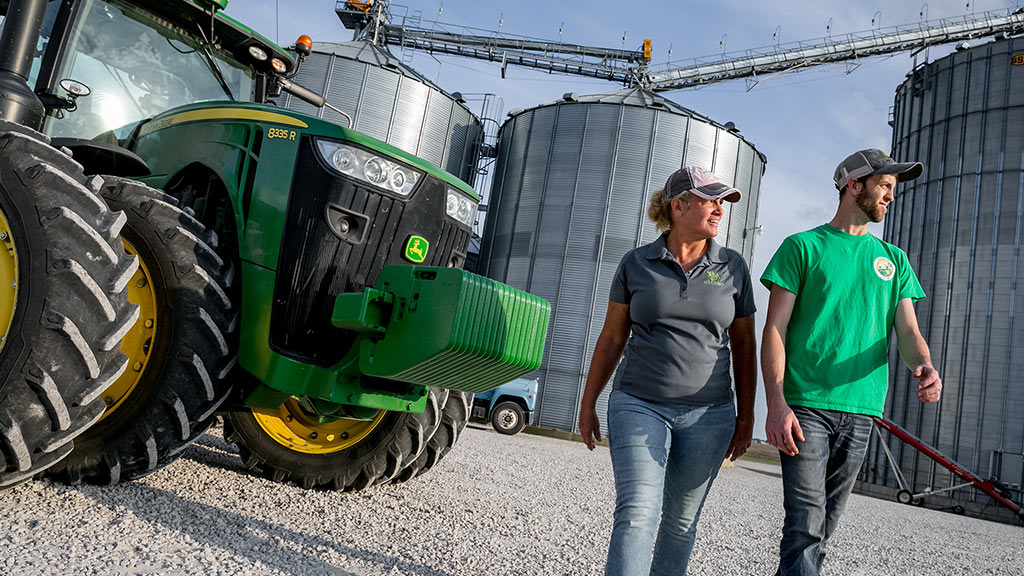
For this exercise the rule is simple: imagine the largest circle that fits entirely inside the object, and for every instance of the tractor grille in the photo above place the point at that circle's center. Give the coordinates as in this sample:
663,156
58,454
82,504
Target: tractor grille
315,265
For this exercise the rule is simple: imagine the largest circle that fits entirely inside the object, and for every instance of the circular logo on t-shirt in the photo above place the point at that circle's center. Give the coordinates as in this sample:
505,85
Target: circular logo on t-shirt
884,268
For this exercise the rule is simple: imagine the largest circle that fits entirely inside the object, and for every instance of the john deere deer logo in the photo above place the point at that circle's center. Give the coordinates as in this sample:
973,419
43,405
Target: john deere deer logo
416,248
713,278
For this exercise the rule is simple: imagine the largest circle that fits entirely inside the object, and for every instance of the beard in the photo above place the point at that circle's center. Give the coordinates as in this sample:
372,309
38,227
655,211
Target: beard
870,208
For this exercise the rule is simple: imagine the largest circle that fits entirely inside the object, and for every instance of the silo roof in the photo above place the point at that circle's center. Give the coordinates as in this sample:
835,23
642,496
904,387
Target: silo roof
639,97
643,98
369,53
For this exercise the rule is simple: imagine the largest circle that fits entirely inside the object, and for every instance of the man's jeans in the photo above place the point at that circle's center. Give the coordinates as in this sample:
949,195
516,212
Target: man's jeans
816,484
665,457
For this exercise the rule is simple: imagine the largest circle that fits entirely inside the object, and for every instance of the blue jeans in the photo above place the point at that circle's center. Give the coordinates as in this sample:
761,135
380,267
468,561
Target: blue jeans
664,457
816,484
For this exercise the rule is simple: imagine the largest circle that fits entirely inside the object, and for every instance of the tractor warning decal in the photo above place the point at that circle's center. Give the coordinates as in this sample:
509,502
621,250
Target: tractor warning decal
416,248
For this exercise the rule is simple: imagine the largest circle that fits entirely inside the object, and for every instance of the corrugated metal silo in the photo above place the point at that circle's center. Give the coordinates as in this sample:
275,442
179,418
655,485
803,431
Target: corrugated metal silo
391,102
571,187
961,224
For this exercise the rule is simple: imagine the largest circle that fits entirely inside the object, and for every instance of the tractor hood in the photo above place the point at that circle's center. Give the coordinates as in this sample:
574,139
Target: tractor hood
228,111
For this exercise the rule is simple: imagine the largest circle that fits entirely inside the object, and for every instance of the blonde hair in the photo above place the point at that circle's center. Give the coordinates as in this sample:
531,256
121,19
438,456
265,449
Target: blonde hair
660,209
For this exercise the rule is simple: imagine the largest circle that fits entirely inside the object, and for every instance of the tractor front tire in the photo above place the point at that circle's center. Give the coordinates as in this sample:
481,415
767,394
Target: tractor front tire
63,302
181,350
454,417
290,445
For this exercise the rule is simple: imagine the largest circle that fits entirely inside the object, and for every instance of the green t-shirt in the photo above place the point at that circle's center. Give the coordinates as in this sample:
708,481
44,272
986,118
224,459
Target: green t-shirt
837,341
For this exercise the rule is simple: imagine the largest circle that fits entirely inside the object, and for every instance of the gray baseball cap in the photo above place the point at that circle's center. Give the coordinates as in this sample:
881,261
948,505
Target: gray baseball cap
701,183
868,162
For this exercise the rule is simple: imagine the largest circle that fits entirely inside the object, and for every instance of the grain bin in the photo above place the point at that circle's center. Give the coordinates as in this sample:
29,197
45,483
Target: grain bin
391,102
961,225
571,186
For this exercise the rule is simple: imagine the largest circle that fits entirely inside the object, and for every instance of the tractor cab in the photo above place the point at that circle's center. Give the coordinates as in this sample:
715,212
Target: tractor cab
101,67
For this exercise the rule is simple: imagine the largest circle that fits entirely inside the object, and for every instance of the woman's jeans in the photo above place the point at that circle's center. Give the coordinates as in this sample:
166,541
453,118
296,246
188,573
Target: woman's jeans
816,484
665,457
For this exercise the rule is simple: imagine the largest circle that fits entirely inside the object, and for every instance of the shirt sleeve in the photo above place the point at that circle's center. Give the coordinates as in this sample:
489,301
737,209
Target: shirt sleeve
619,291
786,268
745,296
910,287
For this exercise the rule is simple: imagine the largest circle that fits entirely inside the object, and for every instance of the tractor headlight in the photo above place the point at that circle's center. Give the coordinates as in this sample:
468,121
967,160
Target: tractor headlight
258,53
372,169
460,207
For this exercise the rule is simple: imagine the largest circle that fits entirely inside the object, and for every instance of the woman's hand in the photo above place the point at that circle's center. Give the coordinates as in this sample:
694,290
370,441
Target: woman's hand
590,427
607,353
740,438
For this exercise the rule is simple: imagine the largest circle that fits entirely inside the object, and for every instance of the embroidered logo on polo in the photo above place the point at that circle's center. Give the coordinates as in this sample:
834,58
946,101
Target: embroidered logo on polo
884,268
713,278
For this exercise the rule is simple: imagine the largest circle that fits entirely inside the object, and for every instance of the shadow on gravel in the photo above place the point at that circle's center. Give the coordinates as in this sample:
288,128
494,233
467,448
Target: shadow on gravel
216,442
245,537
213,455
762,472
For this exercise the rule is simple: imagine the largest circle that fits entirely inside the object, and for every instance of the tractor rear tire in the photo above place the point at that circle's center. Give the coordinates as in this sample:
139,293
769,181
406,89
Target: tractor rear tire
455,416
181,350
289,446
63,304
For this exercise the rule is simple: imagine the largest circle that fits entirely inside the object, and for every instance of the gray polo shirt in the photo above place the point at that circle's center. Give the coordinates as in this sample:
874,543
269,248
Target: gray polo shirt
678,350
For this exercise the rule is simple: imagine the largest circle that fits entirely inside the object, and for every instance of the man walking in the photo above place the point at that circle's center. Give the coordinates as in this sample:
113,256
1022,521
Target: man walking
837,292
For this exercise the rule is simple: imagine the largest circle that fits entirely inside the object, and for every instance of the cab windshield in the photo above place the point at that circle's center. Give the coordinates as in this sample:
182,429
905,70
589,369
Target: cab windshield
137,65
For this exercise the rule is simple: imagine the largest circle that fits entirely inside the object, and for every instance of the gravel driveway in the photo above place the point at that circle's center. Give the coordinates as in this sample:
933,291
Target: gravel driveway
496,505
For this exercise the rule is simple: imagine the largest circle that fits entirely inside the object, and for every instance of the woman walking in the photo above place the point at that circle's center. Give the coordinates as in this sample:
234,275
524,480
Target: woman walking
678,307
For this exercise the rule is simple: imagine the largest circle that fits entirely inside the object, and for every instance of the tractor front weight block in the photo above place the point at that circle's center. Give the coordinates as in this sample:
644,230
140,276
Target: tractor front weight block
418,327
430,326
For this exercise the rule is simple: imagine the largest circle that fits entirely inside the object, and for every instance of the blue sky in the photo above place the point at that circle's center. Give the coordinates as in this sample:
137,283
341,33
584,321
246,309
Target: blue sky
805,122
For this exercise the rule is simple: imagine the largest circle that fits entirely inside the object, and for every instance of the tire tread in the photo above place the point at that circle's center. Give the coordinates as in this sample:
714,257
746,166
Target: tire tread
70,248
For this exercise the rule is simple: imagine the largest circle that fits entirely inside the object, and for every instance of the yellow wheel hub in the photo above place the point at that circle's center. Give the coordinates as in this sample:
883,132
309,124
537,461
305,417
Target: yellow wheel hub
8,278
137,343
291,427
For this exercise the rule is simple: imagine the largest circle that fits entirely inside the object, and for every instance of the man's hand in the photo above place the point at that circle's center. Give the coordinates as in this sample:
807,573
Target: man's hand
783,429
929,389
590,427
740,438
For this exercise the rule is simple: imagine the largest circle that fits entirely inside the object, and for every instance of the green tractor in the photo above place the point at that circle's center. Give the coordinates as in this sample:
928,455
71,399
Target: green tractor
177,247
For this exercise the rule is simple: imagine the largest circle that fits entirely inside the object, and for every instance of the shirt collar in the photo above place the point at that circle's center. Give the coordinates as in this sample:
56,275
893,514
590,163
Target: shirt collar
658,250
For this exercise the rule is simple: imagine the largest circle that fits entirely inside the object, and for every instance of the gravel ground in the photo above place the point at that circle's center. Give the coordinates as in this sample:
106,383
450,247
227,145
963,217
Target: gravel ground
496,505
